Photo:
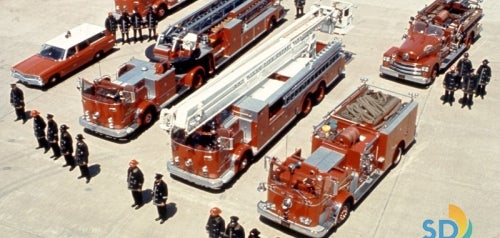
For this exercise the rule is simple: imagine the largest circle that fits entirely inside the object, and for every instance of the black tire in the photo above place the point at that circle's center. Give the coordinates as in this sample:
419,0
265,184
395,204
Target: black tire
398,155
271,25
245,162
198,80
53,80
306,106
345,212
148,117
434,74
320,93
98,56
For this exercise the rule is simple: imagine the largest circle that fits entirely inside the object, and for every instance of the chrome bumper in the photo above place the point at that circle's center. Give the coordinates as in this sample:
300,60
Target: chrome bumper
116,133
317,231
26,80
215,184
412,78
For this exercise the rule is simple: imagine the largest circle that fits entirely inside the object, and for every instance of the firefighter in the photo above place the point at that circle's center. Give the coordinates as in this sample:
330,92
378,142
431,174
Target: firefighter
215,224
136,20
111,23
450,86
67,147
17,101
464,66
151,22
39,126
234,229
484,74
299,5
124,22
135,179
160,196
82,157
53,136
469,86
254,233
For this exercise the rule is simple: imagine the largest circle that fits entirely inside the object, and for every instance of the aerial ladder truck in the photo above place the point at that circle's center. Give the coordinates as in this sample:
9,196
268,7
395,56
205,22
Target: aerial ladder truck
216,133
203,41
189,50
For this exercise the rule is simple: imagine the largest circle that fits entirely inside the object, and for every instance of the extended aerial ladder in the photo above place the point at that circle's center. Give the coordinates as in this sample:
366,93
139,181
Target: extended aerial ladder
237,81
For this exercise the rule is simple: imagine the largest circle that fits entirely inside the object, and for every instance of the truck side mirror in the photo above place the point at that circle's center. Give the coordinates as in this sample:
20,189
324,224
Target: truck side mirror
78,84
261,187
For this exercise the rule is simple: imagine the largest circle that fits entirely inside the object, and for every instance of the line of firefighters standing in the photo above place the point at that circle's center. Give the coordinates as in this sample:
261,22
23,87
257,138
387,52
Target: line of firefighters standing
463,77
136,21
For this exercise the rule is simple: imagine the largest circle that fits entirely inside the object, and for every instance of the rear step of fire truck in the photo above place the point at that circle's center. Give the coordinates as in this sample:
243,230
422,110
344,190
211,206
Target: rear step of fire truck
248,73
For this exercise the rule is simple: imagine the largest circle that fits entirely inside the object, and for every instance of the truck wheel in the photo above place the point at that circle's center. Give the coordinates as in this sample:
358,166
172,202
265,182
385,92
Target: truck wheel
320,93
198,79
344,213
148,117
398,154
245,162
271,25
306,106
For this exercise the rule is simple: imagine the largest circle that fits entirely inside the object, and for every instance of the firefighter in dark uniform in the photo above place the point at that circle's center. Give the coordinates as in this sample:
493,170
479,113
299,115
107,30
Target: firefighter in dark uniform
124,22
82,157
17,101
39,128
53,136
135,179
484,75
215,224
151,22
469,85
111,23
136,20
67,147
449,84
299,5
254,233
464,67
234,229
160,195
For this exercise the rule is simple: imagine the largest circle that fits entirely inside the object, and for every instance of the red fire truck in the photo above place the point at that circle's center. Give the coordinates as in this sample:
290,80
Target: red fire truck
360,140
437,36
190,61
160,7
217,132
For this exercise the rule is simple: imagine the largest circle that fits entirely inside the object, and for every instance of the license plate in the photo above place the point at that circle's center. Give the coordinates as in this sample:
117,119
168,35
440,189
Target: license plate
285,223
401,76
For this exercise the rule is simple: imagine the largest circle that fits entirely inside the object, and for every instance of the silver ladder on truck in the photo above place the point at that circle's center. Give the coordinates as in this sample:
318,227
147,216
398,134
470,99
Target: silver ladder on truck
233,83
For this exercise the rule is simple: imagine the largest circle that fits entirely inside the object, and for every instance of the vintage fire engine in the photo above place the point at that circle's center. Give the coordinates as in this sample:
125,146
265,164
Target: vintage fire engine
437,36
355,144
142,88
203,41
217,132
160,7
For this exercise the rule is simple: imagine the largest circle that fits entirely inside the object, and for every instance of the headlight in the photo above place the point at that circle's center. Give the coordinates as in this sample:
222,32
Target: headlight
386,59
95,115
425,69
189,163
287,203
176,160
305,220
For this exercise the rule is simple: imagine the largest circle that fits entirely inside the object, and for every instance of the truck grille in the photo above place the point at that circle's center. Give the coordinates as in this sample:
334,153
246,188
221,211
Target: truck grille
406,69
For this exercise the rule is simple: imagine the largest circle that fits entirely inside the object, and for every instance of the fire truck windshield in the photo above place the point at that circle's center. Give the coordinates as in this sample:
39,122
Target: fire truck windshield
428,29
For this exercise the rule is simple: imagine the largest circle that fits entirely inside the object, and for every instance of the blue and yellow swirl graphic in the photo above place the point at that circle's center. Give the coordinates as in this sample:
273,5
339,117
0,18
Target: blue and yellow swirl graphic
464,225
